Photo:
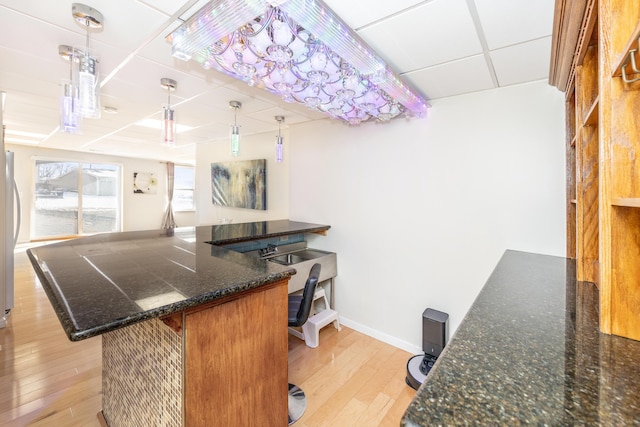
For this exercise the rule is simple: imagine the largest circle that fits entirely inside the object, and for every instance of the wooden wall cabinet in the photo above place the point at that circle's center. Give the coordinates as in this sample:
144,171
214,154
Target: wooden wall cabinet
593,44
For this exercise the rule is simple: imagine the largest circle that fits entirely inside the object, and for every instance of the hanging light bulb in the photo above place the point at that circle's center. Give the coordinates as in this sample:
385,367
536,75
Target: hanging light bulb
168,122
279,145
70,116
88,87
235,129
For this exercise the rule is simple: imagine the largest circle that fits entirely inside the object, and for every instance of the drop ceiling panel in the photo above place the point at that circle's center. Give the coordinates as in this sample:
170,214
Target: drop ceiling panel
169,7
144,76
522,63
217,101
123,23
34,83
18,36
508,22
215,131
268,116
453,78
430,34
358,13
63,141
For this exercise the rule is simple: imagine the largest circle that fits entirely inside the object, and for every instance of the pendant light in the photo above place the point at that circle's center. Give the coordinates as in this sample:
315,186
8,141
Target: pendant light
88,82
279,145
235,129
168,122
70,117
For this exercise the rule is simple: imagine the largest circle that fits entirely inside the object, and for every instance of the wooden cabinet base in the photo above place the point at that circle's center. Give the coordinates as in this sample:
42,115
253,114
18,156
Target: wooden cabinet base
220,364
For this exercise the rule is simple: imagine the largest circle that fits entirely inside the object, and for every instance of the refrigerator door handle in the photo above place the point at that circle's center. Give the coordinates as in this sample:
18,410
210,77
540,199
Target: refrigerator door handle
19,213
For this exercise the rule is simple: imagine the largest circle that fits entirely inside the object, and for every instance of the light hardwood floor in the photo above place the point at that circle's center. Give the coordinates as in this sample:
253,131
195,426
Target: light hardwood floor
46,380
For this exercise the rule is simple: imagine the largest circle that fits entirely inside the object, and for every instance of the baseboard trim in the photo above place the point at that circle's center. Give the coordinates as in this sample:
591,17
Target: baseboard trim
380,336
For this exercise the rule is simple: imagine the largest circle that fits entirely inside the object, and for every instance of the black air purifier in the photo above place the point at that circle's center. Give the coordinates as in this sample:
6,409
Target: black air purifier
435,331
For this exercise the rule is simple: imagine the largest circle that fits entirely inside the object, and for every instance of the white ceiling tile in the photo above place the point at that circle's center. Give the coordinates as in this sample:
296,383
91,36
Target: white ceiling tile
453,78
523,62
169,7
508,22
430,34
121,28
18,38
358,13
269,116
31,74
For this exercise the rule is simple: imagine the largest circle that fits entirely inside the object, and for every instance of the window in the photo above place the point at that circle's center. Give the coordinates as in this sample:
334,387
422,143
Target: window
74,198
183,188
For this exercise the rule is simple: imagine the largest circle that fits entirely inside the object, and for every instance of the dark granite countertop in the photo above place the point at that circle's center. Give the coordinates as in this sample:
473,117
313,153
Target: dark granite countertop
234,233
529,352
100,283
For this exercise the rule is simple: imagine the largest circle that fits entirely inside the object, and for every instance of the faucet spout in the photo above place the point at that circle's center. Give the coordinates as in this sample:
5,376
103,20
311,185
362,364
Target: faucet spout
269,250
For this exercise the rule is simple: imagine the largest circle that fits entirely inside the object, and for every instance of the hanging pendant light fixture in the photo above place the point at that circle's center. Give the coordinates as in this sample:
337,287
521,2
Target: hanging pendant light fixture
279,145
168,122
235,129
88,82
300,50
70,117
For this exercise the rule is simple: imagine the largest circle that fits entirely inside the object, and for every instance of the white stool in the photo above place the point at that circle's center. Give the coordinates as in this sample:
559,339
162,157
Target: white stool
311,328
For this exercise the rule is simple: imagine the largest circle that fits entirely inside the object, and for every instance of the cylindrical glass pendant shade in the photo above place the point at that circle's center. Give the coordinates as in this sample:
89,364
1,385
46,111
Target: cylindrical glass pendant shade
70,117
168,127
89,89
279,149
279,140
235,140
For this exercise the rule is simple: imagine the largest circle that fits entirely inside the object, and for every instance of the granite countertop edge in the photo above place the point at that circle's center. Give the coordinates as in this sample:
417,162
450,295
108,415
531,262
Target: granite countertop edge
179,306
75,332
74,335
230,240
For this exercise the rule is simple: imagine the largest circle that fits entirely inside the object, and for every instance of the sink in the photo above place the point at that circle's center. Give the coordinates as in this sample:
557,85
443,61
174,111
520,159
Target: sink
287,259
302,261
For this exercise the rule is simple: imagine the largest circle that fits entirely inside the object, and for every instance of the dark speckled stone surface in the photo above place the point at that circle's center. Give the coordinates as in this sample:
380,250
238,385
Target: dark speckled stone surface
529,352
234,233
100,283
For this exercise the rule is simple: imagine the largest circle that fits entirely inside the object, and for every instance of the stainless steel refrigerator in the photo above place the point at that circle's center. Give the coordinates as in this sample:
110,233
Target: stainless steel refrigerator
10,209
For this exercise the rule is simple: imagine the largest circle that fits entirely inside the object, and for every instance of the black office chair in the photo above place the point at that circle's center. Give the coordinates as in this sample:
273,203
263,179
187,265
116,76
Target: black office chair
299,309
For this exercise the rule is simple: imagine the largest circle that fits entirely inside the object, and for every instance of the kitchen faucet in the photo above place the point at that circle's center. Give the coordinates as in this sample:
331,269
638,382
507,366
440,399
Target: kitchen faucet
269,250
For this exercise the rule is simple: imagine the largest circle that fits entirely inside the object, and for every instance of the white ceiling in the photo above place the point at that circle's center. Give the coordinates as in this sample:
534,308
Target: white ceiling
441,47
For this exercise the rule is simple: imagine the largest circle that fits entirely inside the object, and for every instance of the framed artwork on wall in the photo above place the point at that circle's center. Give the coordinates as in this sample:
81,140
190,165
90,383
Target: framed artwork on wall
240,184
145,183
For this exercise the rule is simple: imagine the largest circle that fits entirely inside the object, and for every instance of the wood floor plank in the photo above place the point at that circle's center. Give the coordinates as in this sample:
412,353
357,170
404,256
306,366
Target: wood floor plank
376,411
46,380
358,384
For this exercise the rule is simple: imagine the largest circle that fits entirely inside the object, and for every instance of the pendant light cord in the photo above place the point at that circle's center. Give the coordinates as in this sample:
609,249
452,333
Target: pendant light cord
88,38
71,59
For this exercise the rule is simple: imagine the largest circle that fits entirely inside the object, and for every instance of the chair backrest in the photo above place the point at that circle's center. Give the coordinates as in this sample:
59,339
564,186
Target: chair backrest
307,295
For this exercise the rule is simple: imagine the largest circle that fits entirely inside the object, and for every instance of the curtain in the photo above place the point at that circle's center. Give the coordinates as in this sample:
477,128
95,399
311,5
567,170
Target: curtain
169,221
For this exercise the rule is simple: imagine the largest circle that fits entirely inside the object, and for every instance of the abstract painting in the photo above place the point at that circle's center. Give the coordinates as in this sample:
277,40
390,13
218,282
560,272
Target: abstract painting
241,184
144,183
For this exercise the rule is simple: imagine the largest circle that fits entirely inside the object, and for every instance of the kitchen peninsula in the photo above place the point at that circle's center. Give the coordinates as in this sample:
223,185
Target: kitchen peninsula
179,316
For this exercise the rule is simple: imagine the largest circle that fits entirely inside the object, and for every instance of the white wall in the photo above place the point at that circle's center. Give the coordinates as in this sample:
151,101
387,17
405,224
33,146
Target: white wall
422,210
140,212
252,147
